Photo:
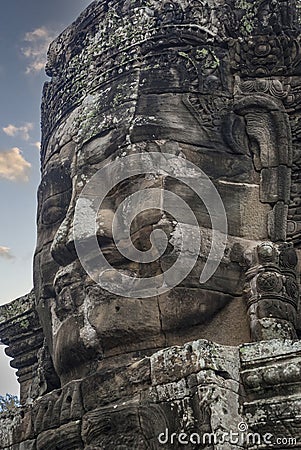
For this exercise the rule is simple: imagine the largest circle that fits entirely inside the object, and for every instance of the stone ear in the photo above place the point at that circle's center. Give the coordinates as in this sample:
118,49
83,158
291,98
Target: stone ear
235,134
259,126
267,127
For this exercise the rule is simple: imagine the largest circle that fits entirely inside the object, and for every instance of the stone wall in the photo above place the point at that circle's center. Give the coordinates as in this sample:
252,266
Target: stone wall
216,83
198,389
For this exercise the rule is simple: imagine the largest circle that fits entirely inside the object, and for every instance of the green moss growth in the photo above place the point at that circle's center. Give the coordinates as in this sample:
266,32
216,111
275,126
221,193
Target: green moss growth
249,15
16,307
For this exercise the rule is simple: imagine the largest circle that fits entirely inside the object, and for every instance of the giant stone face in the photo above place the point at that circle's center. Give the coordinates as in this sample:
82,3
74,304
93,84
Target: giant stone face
140,79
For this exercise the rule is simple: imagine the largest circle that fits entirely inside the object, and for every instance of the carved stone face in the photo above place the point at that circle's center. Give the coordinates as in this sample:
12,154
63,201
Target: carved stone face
173,95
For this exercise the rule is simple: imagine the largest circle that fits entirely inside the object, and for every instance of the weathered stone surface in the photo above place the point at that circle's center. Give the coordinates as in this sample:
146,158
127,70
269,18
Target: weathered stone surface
216,84
113,384
272,292
273,389
21,331
28,445
67,437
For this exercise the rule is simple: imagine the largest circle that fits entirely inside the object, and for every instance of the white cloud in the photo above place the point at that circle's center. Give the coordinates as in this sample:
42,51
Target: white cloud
38,33
5,253
35,49
37,145
23,131
13,166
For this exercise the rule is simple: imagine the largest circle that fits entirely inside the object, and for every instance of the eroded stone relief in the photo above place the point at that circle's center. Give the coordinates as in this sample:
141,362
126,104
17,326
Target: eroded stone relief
216,83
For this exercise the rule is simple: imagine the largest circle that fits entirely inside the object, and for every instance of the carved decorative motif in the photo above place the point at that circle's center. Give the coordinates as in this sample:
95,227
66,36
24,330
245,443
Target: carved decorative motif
272,291
267,253
268,56
269,282
274,88
288,258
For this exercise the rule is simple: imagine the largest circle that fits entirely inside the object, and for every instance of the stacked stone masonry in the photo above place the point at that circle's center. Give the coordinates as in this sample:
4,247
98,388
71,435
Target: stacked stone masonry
216,82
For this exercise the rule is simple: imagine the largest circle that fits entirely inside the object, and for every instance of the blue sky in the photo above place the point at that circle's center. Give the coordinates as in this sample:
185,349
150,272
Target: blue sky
26,29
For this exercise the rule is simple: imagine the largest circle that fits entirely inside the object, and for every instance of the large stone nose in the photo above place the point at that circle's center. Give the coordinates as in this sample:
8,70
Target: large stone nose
91,225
